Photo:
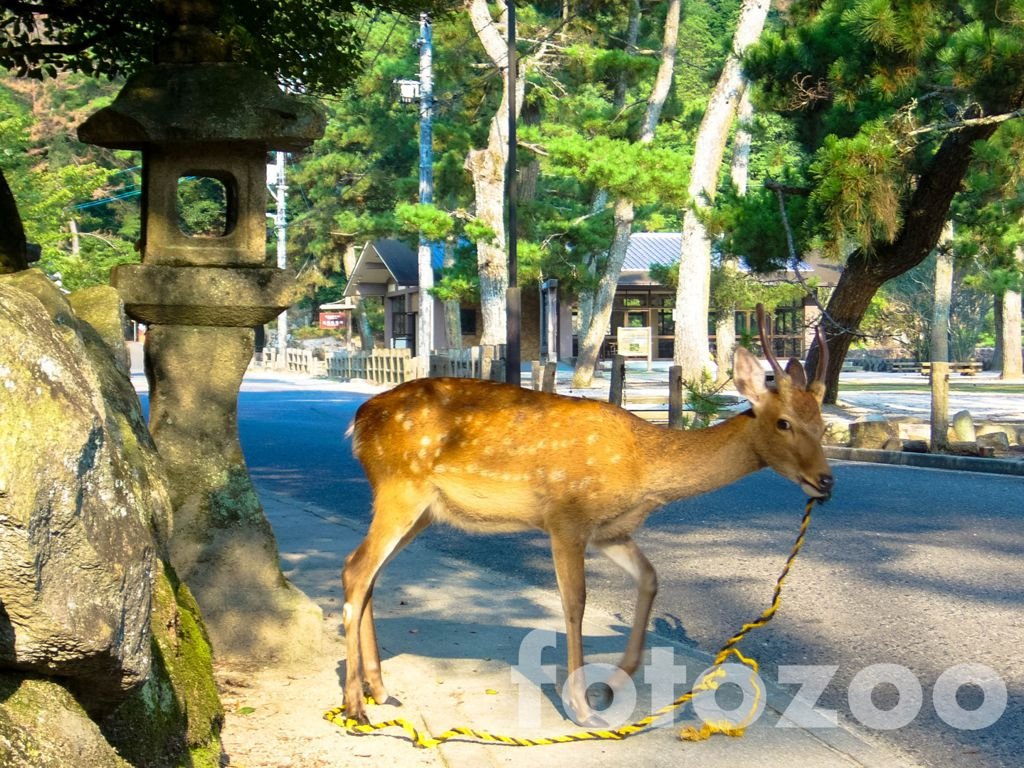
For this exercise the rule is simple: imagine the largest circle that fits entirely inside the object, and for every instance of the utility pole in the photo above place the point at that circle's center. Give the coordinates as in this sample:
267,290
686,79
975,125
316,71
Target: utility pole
513,301
280,225
425,318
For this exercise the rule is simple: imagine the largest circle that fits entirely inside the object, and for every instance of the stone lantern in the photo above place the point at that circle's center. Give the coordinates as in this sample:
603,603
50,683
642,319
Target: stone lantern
194,114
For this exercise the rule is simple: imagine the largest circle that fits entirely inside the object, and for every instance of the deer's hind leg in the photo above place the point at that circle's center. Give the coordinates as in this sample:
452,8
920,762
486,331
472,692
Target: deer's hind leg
624,552
399,513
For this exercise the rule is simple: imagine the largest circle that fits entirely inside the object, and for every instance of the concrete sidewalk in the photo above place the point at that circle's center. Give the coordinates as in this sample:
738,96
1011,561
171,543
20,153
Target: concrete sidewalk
450,634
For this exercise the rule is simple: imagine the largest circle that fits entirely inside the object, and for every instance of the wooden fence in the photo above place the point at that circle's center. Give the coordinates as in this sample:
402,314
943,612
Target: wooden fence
390,366
483,362
379,366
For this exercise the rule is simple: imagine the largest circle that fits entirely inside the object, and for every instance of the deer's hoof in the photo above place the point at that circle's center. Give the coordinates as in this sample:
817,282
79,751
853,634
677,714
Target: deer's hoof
358,715
585,717
593,720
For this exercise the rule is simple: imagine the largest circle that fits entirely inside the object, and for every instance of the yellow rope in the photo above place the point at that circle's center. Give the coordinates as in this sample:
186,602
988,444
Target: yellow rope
709,682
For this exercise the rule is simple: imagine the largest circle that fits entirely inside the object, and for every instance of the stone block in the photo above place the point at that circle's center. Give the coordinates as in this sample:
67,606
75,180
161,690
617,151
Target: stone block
872,431
1010,430
203,296
963,427
915,446
995,440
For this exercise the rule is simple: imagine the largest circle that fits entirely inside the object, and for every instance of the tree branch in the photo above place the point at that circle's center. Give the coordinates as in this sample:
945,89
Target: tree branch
957,125
537,149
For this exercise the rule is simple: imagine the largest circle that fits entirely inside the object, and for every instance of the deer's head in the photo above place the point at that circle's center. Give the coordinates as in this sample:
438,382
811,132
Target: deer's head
789,426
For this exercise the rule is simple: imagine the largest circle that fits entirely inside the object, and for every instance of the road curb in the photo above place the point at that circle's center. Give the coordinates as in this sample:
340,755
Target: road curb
928,460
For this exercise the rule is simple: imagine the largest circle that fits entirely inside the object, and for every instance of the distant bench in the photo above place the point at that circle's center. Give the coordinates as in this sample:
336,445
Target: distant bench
904,366
970,368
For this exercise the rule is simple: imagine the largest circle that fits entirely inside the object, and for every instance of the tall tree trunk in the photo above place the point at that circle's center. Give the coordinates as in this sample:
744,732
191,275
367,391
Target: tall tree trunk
939,343
997,318
603,298
1012,363
487,166
692,296
592,335
865,272
739,170
452,310
76,241
585,301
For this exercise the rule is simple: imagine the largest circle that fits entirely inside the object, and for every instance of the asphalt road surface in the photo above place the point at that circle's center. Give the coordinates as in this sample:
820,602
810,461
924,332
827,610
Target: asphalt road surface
923,569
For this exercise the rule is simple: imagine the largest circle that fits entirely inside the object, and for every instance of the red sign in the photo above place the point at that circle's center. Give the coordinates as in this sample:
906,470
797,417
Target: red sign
333,320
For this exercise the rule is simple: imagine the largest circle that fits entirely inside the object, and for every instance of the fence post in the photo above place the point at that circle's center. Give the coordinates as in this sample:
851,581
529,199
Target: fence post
618,380
486,362
535,374
550,372
675,396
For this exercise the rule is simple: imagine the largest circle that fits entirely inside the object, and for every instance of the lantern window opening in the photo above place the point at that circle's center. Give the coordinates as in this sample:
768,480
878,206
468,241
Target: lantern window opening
207,203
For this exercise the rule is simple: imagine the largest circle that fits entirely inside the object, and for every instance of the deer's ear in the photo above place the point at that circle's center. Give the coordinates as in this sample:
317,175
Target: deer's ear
817,389
749,377
796,373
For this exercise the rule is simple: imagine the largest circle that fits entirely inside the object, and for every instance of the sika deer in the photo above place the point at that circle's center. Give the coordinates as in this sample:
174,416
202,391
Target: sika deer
484,456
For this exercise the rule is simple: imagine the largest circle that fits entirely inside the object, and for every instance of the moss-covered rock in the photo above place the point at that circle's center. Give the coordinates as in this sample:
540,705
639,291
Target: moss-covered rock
43,726
175,718
160,706
77,545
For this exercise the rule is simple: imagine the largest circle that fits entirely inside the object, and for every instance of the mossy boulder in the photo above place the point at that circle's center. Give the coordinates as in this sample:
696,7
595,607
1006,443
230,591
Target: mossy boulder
77,546
118,666
175,718
43,726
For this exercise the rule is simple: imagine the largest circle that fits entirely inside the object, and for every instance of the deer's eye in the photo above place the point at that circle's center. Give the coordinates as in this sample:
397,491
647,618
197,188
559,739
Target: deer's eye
783,425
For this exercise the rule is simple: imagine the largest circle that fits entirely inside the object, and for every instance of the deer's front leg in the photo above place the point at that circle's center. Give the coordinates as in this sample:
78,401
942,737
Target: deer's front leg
370,655
397,516
568,557
368,647
627,555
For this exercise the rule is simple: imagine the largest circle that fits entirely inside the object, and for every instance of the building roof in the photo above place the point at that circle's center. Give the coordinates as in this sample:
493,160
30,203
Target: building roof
382,261
647,248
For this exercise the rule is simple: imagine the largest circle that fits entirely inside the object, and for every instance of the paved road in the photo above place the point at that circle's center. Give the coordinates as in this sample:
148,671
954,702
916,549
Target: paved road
918,568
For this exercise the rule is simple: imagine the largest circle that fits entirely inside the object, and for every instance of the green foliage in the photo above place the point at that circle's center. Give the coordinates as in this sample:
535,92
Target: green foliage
642,172
704,401
751,225
113,37
55,186
863,82
433,223
460,281
857,189
202,207
479,232
988,213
